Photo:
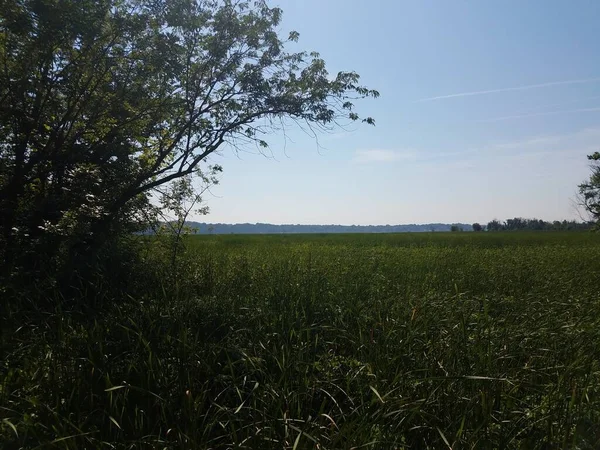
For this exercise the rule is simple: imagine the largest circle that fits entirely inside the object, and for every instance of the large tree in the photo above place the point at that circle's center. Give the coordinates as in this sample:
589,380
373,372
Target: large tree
103,101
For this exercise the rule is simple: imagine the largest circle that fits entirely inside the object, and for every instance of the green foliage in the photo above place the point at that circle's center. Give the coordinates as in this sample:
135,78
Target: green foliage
589,192
176,203
521,224
475,340
477,227
103,102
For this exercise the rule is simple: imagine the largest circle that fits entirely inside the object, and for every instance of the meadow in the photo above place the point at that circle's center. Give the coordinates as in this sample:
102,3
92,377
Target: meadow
424,340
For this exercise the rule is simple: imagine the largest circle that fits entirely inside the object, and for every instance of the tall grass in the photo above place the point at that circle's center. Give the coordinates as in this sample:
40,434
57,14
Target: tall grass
321,342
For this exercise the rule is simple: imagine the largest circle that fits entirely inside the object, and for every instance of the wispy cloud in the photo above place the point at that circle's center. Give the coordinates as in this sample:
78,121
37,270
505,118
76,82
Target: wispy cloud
338,135
561,104
547,113
569,149
575,144
378,155
516,88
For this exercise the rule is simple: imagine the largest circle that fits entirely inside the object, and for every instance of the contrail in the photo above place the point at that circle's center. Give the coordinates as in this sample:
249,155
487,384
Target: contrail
549,113
517,88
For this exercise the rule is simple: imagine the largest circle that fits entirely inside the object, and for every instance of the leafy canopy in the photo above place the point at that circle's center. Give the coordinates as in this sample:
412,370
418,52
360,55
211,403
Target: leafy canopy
101,102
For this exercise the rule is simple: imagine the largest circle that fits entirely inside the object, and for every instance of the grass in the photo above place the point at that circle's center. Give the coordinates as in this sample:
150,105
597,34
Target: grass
432,340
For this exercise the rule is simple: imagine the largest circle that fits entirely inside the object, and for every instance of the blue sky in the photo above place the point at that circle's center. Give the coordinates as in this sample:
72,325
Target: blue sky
513,143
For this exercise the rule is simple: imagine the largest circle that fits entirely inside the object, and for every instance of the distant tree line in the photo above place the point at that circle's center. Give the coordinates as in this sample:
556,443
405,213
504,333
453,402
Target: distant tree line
521,224
268,228
495,225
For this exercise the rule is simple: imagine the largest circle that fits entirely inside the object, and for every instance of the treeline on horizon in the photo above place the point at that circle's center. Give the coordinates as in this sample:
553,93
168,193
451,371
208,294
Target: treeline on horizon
268,228
521,224
514,224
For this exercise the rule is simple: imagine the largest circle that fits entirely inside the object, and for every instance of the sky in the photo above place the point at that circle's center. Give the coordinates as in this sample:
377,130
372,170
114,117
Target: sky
487,110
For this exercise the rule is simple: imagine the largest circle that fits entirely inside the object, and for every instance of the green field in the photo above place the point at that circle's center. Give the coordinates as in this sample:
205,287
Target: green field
433,340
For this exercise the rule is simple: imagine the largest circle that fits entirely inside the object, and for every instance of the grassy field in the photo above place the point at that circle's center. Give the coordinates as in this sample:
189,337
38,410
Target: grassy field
433,340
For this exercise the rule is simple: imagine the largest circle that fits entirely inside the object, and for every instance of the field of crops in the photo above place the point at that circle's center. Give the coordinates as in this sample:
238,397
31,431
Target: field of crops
433,340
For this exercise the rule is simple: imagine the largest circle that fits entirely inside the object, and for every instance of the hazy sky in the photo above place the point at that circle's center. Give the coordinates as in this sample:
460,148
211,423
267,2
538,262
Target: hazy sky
487,110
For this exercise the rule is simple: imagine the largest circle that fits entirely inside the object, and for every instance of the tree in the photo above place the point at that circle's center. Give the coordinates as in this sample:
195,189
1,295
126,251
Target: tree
103,102
589,191
494,225
455,228
177,202
477,227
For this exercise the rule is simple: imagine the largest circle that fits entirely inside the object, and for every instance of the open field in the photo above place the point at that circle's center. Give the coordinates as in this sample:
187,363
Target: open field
462,340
